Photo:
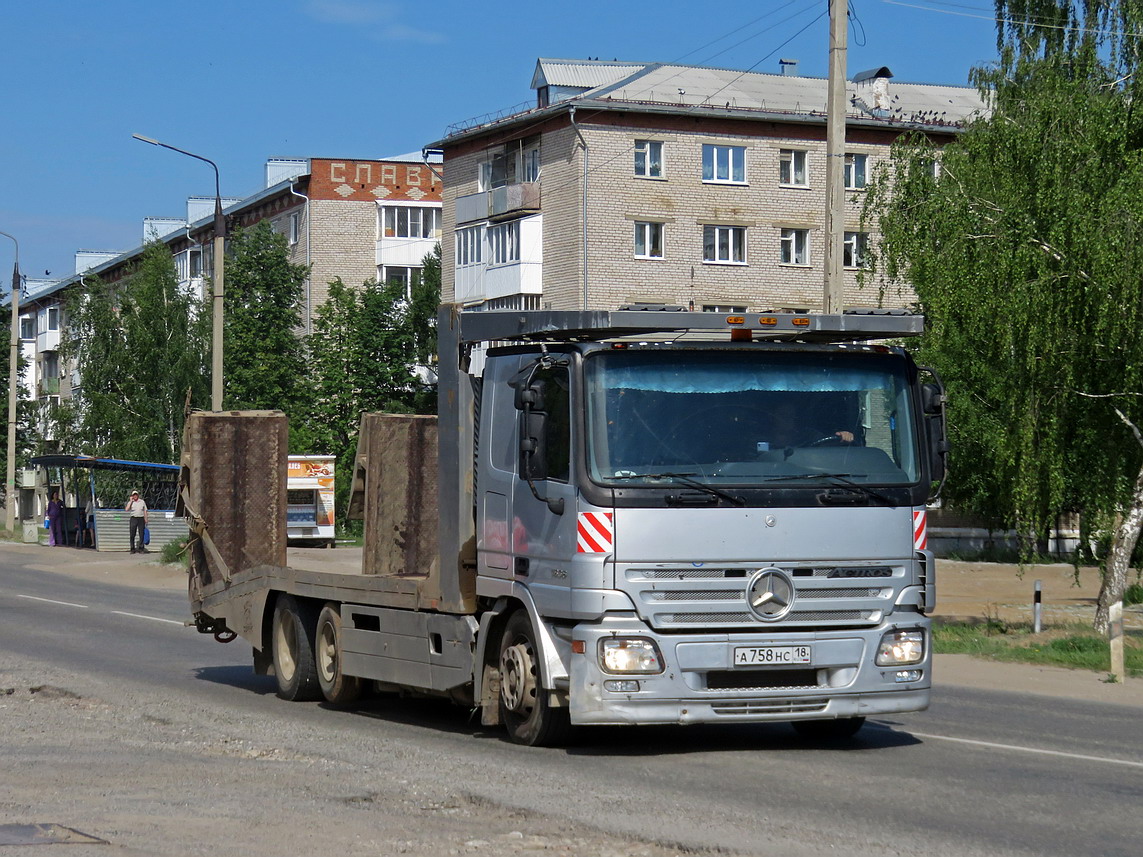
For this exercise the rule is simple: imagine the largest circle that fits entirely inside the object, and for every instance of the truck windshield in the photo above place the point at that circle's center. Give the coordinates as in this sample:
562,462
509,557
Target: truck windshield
758,418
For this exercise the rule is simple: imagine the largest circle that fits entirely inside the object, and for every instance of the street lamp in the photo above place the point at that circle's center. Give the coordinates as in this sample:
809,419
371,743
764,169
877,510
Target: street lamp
13,393
219,251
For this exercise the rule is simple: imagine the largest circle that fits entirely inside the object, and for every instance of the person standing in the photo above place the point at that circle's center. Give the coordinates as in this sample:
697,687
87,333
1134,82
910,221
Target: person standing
137,508
55,520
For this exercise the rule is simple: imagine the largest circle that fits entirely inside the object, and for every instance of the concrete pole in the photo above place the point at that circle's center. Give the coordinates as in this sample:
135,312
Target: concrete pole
835,156
217,284
1115,637
13,393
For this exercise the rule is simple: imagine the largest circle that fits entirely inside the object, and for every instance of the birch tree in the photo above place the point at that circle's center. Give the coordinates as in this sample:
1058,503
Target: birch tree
1025,248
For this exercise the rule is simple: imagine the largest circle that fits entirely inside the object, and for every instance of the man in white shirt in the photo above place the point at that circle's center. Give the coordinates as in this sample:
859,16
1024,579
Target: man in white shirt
137,507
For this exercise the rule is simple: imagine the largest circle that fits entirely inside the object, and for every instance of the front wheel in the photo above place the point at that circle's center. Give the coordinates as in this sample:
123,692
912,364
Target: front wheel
829,730
524,708
337,687
292,641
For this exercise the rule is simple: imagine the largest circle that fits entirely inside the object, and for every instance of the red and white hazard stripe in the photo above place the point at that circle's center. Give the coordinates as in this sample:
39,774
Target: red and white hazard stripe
920,530
595,532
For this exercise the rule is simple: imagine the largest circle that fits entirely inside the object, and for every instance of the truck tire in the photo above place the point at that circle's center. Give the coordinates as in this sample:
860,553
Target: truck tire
524,708
336,687
829,730
292,643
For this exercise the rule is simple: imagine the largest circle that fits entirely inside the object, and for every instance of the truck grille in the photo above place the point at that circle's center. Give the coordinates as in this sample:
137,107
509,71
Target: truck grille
689,597
751,707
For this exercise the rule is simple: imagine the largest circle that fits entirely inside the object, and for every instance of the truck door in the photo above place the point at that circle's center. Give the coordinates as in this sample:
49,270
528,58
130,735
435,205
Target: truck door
543,533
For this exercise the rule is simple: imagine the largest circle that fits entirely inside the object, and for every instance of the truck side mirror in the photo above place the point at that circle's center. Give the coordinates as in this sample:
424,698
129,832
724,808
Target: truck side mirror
936,430
533,448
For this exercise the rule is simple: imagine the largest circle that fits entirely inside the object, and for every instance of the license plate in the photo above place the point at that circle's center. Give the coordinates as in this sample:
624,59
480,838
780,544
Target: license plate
746,656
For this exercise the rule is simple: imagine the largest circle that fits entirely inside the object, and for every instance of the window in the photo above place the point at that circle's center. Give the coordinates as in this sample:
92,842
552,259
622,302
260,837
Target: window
726,308
648,159
724,244
548,424
531,171
648,240
53,318
792,168
411,222
504,243
855,171
469,246
295,228
795,246
194,261
51,364
27,327
855,250
726,164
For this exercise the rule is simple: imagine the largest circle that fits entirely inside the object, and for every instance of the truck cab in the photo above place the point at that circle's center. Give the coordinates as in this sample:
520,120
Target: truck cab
706,531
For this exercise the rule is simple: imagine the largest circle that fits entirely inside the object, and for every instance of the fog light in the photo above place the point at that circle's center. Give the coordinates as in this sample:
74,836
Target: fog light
625,686
907,675
901,647
629,655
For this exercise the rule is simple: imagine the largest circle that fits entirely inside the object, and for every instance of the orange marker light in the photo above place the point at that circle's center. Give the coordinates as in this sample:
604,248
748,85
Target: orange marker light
735,319
579,647
801,322
767,319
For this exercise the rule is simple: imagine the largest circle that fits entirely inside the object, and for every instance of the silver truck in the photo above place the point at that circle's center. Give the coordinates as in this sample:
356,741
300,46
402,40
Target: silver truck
617,518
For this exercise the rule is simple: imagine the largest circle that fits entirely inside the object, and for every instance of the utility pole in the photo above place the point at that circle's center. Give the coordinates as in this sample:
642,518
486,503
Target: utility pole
13,392
835,156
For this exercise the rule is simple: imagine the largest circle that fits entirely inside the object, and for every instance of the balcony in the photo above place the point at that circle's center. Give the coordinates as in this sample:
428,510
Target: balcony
500,202
49,386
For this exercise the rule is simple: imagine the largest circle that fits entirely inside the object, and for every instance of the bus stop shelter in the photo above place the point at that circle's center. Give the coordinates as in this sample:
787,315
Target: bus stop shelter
107,483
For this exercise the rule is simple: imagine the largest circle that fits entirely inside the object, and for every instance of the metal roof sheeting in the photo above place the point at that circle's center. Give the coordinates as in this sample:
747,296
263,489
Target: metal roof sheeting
587,74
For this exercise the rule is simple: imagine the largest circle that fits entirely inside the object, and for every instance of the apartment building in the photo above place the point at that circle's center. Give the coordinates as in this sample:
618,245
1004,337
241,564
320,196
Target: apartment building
353,219
656,183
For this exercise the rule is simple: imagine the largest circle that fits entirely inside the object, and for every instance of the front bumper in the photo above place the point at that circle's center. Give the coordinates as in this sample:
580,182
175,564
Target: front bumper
701,684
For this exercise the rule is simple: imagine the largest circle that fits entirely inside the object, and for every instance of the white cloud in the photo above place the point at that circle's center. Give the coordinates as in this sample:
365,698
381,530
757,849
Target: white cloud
376,20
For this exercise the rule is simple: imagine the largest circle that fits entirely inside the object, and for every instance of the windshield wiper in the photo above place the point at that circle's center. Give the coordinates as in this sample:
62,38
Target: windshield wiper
686,479
844,479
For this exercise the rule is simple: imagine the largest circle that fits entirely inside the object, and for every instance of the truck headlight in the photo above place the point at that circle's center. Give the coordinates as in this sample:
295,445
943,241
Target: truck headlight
901,647
629,655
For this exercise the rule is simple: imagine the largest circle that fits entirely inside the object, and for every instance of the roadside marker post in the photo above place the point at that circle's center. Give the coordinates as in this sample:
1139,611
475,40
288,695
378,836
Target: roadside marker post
1037,607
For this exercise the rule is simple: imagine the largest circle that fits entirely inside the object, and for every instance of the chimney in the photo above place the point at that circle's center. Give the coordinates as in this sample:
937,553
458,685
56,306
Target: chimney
788,66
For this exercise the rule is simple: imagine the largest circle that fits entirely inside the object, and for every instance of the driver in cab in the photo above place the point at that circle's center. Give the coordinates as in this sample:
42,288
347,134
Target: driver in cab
787,428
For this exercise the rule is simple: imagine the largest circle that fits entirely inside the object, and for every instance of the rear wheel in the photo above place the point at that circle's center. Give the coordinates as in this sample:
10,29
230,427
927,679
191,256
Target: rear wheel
829,730
336,687
292,641
524,708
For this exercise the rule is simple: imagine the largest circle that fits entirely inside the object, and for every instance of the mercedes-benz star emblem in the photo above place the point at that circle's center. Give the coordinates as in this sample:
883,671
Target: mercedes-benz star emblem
770,594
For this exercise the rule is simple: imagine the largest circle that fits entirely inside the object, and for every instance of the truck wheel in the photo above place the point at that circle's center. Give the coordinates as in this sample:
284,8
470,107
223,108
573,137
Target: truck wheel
336,687
292,641
829,730
524,708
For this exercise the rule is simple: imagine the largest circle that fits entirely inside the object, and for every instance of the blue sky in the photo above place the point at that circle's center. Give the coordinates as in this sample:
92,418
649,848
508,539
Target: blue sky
240,81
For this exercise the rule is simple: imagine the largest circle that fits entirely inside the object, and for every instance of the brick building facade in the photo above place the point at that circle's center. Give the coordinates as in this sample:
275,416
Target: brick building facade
670,184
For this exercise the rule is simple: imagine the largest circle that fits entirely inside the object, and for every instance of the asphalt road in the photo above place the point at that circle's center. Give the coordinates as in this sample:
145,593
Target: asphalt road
980,773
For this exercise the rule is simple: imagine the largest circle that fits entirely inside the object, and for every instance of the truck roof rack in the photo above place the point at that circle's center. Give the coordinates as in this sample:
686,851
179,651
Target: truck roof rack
592,325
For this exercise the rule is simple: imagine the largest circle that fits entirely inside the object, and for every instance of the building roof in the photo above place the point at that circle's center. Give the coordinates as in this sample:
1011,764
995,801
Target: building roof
683,89
587,74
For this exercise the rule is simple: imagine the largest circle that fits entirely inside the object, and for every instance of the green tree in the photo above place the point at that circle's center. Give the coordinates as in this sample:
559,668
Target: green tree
263,354
369,351
1024,250
139,351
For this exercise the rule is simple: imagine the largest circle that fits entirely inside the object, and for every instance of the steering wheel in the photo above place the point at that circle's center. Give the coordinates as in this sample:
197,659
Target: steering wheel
828,440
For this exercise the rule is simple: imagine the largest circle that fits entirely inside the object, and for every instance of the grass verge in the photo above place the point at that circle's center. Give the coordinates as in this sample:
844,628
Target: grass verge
1071,646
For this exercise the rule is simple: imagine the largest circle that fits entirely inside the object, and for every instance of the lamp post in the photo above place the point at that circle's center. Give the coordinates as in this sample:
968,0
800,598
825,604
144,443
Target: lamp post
13,393
219,251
